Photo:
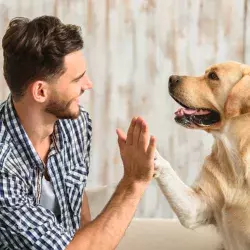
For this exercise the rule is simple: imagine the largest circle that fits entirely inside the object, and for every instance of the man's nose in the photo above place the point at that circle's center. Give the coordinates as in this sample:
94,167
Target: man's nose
87,83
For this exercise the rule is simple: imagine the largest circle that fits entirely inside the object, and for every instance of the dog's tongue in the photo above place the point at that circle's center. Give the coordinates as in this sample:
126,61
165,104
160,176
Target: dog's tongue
184,111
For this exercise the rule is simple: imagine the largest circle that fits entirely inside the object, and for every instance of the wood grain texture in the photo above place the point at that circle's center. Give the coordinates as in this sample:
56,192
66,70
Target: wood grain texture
132,47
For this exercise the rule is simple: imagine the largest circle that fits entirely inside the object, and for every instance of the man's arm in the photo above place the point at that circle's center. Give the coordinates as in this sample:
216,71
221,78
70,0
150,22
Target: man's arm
85,211
107,229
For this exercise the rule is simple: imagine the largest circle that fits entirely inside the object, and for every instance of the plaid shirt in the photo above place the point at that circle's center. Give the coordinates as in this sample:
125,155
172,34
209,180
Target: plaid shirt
24,223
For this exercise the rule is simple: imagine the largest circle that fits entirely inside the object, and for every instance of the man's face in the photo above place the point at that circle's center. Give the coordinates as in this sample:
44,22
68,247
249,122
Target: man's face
64,95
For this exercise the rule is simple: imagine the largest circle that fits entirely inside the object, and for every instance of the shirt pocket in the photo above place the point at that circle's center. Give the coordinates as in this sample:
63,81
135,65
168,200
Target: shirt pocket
75,182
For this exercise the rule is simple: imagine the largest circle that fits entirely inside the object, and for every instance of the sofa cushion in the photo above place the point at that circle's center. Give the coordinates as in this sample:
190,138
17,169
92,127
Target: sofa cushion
155,234
167,234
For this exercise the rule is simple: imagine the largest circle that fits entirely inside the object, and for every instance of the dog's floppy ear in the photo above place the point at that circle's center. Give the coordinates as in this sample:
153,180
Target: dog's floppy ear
238,100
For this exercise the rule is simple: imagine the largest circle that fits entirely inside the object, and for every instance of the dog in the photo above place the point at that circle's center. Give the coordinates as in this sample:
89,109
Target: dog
217,102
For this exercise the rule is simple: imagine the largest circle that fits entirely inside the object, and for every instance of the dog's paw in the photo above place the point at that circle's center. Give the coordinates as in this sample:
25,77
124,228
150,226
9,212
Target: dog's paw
160,164
157,173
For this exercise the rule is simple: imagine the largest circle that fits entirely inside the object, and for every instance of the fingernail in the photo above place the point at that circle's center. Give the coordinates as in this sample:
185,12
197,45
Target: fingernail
134,120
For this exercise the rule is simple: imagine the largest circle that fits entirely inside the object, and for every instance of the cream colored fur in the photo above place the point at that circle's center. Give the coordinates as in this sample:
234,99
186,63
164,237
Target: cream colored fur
221,193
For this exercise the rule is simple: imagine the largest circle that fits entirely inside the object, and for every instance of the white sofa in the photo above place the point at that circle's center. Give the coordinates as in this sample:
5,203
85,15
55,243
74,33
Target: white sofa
164,234
156,234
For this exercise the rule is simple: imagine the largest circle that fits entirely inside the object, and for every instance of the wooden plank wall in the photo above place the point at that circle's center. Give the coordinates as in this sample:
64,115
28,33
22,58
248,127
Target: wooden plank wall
132,46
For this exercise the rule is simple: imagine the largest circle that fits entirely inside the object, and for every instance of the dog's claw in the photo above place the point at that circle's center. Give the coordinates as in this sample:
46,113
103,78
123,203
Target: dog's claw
160,164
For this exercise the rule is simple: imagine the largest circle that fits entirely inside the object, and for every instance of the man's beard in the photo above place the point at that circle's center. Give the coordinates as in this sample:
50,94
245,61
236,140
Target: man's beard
61,109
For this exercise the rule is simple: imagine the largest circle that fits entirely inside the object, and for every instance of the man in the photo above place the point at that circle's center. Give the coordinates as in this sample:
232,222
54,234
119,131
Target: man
45,146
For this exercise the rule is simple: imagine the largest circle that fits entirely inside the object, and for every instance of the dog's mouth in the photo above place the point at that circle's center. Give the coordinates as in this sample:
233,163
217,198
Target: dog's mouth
195,117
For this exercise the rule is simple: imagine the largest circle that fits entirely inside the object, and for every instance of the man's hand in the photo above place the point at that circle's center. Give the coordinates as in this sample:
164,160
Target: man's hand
107,229
137,151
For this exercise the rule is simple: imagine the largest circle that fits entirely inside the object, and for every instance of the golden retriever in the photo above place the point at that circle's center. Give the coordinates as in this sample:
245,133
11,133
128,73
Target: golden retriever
219,103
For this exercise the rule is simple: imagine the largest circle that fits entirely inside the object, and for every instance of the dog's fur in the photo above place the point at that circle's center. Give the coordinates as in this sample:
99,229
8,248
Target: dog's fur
221,194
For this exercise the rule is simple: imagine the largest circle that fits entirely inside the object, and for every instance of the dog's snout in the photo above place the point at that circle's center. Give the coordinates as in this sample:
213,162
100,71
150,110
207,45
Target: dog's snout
173,81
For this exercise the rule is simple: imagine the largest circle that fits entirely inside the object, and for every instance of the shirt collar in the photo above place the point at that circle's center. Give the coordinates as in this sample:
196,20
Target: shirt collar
20,137
59,136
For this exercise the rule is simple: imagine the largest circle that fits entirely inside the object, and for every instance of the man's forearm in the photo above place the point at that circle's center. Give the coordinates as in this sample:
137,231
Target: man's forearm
85,211
108,228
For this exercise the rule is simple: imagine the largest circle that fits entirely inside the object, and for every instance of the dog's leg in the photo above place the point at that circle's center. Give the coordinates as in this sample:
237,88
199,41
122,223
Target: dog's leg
188,205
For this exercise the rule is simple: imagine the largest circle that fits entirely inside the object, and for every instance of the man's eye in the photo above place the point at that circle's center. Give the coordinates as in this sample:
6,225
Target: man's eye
77,80
213,76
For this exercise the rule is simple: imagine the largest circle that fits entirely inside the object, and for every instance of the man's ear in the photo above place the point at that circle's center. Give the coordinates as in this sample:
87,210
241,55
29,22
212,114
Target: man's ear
238,100
39,91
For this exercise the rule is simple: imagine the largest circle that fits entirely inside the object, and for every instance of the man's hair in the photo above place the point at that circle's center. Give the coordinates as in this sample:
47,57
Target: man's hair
35,50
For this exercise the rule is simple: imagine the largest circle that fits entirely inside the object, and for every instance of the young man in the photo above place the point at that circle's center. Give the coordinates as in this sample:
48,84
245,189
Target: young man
45,140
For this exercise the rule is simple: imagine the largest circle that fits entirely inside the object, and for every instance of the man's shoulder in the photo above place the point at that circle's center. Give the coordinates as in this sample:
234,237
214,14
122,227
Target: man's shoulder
5,139
4,135
2,108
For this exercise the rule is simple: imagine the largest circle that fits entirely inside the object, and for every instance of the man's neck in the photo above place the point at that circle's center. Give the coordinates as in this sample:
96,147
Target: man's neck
37,124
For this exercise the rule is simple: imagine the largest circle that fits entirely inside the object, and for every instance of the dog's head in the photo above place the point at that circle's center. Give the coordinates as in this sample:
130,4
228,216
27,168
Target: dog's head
208,101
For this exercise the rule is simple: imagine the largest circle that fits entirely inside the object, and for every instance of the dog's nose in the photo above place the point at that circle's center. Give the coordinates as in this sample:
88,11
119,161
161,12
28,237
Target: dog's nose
173,81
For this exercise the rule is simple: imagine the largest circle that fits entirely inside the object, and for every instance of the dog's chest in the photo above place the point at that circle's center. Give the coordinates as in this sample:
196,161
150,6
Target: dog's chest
233,219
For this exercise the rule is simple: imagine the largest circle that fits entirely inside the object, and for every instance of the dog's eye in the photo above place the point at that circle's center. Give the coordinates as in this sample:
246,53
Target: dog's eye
213,76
